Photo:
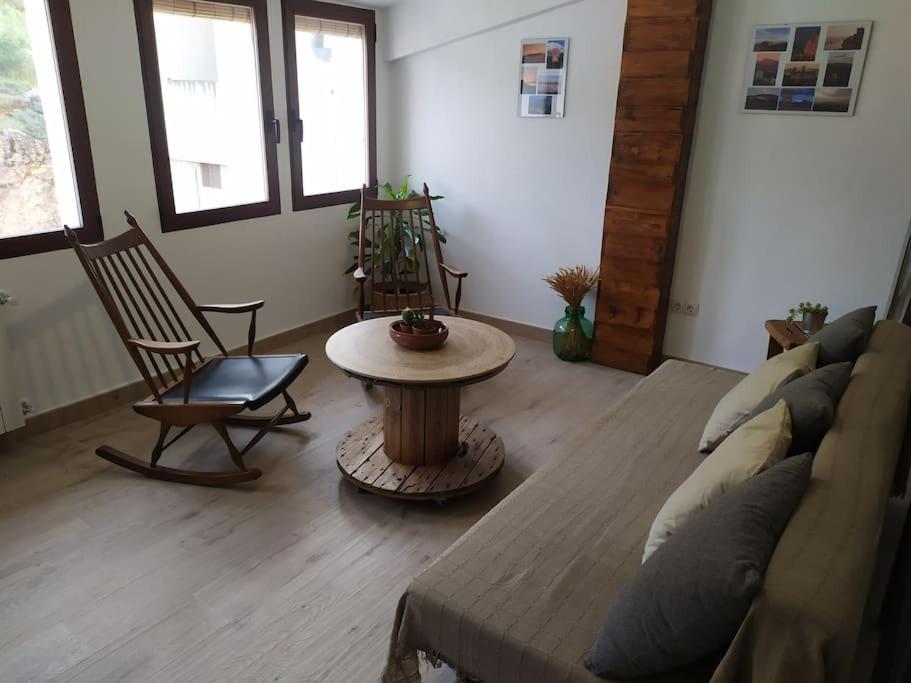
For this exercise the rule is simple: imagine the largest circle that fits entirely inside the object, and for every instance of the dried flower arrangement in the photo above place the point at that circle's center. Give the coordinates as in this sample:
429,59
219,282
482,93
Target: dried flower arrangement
573,283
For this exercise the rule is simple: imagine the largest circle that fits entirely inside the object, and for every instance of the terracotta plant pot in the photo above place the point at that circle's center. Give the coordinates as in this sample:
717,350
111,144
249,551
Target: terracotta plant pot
419,341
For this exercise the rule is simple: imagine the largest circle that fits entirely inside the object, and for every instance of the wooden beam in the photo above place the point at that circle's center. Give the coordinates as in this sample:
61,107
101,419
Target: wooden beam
661,71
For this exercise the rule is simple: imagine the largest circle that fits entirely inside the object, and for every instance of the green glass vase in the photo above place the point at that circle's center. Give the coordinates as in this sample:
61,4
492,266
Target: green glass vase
573,335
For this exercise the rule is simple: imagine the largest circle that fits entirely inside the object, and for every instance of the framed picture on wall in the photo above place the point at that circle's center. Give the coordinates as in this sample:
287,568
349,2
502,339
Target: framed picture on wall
542,77
809,68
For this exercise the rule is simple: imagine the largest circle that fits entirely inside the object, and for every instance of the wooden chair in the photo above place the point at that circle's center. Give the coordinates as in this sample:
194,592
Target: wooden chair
392,254
133,281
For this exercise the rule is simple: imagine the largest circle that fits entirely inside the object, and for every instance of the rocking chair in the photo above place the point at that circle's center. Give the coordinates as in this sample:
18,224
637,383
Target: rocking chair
133,280
392,254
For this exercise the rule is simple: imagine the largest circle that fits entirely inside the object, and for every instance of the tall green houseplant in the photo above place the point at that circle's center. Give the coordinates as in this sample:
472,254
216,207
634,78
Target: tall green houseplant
398,246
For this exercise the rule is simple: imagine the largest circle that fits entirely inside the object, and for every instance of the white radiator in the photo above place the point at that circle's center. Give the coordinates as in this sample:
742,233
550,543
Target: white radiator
10,408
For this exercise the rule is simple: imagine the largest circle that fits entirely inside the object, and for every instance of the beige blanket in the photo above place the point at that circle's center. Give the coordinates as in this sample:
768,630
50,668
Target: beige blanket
521,596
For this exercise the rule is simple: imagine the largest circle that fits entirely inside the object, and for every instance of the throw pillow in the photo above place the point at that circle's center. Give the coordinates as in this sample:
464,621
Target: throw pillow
690,598
754,447
740,402
812,400
846,338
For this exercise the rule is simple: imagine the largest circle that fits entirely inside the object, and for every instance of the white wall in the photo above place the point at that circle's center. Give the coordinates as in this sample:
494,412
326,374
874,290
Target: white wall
416,25
781,209
63,344
523,196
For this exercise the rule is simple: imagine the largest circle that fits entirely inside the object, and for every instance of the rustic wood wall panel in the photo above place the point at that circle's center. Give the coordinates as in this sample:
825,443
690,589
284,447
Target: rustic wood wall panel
663,52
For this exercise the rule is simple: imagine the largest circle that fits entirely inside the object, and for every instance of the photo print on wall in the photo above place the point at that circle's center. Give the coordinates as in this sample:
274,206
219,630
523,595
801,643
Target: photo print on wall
808,68
542,77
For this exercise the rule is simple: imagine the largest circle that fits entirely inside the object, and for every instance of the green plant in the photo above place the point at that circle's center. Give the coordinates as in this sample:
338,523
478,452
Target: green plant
402,241
806,307
15,50
413,318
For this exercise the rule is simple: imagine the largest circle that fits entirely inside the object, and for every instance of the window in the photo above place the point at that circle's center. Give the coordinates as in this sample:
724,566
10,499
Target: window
330,61
46,174
209,100
210,175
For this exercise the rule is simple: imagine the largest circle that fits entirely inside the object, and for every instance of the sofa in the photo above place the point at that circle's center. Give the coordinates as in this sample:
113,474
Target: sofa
522,595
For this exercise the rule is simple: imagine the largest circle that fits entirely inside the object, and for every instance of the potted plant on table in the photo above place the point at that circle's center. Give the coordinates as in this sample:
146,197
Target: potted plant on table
573,333
813,316
414,322
416,332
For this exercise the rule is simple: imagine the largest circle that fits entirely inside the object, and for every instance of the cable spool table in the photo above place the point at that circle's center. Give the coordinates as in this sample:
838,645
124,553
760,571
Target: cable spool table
421,448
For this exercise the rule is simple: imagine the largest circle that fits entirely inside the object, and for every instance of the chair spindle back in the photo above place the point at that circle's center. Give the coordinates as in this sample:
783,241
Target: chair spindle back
133,282
393,246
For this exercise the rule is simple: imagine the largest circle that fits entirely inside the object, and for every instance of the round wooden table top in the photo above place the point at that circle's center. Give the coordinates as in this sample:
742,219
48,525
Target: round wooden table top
472,351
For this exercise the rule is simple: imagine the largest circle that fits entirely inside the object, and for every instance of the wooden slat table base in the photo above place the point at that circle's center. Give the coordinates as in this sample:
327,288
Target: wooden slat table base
362,459
421,423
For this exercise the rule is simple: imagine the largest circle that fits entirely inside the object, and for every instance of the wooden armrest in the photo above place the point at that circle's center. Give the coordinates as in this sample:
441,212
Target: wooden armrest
165,348
232,308
360,275
453,271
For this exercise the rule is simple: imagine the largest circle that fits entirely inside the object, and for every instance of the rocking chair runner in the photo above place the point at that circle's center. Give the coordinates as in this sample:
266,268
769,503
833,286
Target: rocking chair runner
187,389
392,254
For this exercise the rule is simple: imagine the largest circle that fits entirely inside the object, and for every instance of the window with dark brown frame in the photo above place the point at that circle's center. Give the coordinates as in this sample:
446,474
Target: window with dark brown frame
45,156
208,87
330,64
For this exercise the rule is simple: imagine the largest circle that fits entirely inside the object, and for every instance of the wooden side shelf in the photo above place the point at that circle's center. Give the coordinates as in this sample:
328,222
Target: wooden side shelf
783,336
362,459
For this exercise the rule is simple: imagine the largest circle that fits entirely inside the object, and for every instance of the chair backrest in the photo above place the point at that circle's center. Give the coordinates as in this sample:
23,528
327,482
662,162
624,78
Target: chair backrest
393,251
133,282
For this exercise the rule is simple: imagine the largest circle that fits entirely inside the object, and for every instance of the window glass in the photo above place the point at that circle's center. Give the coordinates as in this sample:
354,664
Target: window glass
332,101
207,59
38,190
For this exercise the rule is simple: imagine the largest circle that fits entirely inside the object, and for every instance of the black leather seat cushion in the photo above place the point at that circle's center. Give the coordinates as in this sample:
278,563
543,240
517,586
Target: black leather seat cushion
255,380
370,315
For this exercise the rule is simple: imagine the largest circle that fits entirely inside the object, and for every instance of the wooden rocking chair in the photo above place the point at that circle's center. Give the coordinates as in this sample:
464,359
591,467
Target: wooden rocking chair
132,280
392,254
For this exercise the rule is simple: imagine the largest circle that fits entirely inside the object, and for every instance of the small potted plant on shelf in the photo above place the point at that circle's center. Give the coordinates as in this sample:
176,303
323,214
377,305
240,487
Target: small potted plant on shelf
416,332
573,333
813,316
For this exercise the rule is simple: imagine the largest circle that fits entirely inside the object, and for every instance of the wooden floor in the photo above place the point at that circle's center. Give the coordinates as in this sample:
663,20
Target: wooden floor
105,575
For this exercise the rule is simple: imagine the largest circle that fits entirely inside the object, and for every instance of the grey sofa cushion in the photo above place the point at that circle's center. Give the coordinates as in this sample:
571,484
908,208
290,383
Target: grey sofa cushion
846,338
812,400
688,600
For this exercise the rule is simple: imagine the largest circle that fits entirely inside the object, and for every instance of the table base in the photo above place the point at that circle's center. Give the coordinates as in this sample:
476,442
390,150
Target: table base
362,459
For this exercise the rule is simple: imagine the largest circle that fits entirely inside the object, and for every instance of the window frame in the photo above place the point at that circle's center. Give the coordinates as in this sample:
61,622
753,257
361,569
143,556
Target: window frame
352,15
172,221
80,147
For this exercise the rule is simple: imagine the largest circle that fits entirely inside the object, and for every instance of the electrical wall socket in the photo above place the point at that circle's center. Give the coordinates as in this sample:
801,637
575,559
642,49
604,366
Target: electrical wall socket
27,407
684,308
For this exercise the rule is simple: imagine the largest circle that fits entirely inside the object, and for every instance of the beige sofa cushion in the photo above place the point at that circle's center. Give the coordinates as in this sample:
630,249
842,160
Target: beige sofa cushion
754,447
737,405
